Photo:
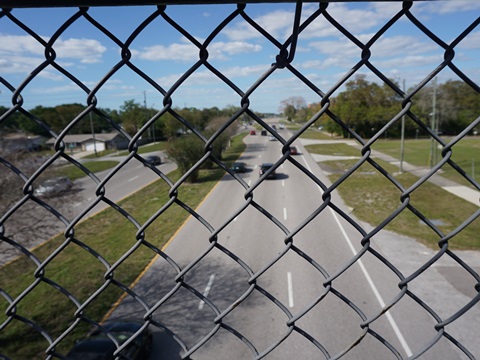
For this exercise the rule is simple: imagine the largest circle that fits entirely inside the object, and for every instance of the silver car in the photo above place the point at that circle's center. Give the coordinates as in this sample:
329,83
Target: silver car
54,186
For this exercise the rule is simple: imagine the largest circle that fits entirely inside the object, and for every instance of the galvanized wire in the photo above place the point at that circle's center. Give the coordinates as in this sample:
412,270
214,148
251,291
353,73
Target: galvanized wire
283,61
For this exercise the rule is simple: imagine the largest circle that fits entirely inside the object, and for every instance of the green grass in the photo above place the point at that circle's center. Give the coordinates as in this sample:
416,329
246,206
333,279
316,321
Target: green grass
466,153
317,135
336,149
100,154
109,234
74,172
374,198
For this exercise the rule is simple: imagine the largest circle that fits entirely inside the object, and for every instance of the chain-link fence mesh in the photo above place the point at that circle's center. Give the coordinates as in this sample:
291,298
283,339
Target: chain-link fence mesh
262,269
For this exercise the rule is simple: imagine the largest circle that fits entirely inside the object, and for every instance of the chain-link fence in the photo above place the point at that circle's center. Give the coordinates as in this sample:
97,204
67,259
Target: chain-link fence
351,251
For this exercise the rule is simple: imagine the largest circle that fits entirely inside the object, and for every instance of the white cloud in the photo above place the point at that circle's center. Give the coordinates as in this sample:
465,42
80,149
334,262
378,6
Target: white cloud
447,7
184,52
472,41
279,23
275,23
24,52
88,51
189,52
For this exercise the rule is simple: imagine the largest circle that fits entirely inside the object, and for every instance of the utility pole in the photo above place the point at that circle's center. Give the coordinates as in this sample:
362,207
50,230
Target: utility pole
402,137
152,129
93,134
433,151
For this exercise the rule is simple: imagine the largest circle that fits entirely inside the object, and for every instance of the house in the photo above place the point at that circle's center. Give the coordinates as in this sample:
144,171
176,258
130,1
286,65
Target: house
15,142
86,142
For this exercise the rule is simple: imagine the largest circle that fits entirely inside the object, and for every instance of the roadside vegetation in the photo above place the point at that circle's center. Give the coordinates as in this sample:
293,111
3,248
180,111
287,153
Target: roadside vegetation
366,106
373,197
81,272
466,154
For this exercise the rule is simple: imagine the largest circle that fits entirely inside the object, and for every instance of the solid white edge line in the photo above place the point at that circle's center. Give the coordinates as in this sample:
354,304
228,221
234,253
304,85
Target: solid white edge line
375,291
290,289
134,178
285,213
207,290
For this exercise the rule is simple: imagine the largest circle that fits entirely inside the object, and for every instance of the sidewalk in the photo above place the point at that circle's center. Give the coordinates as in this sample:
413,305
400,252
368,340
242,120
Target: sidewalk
452,187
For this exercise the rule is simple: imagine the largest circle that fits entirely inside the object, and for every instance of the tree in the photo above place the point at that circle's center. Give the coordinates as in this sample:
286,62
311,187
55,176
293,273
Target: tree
132,116
186,151
221,142
289,107
366,107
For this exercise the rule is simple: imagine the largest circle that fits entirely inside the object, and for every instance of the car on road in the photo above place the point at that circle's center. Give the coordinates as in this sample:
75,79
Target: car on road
54,186
281,126
272,138
293,150
98,346
153,160
265,167
239,167
253,132
264,133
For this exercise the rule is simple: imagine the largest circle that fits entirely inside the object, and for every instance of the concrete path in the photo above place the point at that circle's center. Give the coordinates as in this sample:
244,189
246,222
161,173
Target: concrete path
452,187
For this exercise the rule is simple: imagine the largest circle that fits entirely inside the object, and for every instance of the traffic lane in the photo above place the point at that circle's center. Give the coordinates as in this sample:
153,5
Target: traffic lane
202,276
298,268
257,260
265,252
129,179
417,326
182,314
413,326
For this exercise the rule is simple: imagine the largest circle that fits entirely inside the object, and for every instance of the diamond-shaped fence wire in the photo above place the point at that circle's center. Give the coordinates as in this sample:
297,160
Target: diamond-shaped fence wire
351,253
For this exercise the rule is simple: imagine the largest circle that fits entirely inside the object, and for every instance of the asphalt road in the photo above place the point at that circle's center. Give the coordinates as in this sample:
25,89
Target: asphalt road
130,178
287,282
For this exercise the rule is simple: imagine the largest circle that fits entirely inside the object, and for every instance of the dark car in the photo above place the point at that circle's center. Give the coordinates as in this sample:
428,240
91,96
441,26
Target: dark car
239,167
265,167
264,133
153,160
54,186
98,346
293,150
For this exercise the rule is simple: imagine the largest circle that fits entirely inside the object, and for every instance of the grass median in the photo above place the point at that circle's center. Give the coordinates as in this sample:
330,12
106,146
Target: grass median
373,198
81,272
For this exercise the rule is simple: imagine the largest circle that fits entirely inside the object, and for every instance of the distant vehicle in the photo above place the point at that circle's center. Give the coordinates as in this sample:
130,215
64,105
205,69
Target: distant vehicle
265,167
274,127
272,138
264,132
253,132
239,167
153,160
54,186
98,346
281,126
293,150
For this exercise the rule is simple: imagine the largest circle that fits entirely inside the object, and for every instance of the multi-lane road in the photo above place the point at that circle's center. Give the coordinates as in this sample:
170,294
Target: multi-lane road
258,283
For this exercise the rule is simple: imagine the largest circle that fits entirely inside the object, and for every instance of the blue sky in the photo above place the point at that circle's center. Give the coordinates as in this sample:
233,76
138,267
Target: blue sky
240,52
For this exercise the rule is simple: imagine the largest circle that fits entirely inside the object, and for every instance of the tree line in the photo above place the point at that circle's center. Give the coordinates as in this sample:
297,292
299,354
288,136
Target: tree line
366,107
131,116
